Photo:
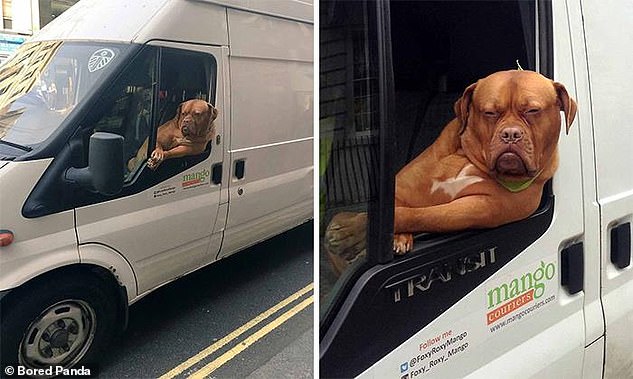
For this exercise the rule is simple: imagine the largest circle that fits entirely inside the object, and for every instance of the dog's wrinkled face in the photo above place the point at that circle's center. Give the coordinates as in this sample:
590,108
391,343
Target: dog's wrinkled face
195,117
511,122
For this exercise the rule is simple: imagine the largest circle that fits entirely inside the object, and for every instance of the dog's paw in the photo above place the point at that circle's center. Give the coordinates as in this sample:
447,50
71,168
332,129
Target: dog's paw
346,235
402,243
151,163
157,157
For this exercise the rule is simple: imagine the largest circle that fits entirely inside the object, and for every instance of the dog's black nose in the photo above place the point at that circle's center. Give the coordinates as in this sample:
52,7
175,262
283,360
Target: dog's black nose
511,135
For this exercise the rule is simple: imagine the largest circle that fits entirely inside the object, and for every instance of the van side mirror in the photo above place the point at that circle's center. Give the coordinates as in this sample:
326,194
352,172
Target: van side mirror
105,165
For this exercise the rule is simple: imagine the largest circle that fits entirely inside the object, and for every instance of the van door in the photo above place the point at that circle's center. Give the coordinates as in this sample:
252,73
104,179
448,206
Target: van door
164,221
271,162
608,51
481,304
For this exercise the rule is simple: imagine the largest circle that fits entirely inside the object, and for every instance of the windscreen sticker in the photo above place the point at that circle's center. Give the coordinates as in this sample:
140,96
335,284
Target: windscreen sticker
99,59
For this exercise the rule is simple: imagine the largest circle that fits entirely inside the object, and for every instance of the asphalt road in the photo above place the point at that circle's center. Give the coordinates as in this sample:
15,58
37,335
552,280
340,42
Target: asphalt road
247,316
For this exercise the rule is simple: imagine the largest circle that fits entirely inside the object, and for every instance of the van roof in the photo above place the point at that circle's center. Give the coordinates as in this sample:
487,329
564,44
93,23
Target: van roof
298,10
139,21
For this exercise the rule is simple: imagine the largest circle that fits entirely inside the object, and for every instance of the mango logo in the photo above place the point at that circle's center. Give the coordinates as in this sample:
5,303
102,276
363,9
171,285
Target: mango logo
519,291
195,178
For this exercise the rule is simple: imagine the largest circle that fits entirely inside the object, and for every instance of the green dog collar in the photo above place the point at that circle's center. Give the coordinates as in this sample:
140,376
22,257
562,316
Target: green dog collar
520,185
516,186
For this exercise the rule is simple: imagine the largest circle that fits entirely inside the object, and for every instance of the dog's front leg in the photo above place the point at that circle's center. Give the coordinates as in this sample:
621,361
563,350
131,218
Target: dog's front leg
157,157
475,211
478,211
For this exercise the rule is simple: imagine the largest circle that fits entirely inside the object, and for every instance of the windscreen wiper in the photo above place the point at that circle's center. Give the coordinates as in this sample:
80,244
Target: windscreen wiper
17,146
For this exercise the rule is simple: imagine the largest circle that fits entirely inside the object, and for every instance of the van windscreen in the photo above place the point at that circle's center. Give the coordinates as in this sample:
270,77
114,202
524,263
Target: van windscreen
44,82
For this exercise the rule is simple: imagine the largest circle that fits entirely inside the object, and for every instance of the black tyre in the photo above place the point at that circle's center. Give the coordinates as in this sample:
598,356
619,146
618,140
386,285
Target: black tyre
66,320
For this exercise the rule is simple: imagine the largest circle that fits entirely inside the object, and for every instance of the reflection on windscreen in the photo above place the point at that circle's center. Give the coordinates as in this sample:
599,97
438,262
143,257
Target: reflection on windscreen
43,82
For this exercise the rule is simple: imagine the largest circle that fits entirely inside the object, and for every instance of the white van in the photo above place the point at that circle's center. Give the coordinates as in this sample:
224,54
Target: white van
547,297
77,249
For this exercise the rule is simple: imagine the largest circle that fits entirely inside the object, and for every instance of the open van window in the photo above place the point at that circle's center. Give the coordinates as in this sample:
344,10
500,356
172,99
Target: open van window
147,95
44,82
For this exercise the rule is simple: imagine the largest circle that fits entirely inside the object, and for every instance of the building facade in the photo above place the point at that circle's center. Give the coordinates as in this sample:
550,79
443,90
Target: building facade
22,18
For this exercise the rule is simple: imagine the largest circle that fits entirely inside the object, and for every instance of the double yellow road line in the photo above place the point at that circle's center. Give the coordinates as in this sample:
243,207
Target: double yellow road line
248,341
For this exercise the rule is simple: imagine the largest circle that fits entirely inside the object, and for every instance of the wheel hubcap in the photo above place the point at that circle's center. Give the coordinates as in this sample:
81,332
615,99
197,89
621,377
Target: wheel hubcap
61,335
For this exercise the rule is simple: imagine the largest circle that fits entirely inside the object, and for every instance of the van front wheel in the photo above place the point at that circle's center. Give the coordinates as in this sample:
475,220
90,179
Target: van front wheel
63,322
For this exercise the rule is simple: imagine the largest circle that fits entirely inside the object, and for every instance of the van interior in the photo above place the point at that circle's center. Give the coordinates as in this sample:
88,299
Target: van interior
441,47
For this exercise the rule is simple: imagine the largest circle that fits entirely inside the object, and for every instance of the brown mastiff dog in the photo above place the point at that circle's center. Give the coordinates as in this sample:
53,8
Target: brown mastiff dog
487,168
186,134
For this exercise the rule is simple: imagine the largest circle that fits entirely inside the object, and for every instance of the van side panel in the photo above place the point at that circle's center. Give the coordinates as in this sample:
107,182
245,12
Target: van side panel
272,102
271,127
609,53
271,84
295,9
260,36
40,245
187,21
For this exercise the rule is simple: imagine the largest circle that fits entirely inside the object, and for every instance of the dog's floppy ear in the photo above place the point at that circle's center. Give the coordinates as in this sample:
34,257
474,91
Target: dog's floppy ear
214,112
462,104
177,116
567,105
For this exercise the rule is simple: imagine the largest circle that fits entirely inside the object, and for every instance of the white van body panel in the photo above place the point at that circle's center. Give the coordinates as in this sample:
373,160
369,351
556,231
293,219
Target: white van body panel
593,363
187,21
299,10
519,363
284,39
609,49
271,127
40,244
142,233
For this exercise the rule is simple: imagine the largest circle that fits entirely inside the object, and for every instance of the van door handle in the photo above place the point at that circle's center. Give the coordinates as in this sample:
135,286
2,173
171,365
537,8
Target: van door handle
621,245
240,167
572,271
216,173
